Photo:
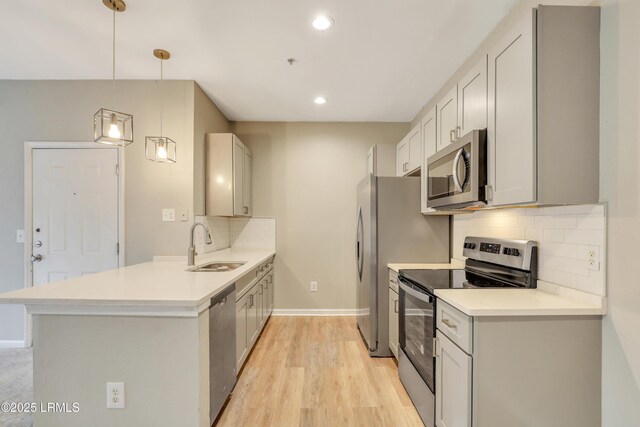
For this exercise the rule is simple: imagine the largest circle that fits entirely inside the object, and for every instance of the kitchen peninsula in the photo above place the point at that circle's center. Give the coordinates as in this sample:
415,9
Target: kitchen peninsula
145,325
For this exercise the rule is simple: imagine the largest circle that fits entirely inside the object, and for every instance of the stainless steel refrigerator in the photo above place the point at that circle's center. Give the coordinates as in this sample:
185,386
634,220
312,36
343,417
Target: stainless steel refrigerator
390,229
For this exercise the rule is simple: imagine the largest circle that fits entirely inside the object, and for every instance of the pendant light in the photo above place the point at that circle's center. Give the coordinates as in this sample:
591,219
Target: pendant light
160,149
110,126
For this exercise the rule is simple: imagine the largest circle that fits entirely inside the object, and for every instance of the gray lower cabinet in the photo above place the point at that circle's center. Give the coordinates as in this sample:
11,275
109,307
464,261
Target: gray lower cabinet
505,371
394,331
394,337
252,312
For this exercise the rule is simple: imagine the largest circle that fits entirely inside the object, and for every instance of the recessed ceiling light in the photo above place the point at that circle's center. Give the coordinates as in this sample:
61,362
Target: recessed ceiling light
322,22
320,100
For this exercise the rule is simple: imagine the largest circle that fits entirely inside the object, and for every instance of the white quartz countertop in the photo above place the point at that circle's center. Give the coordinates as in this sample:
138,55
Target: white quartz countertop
547,300
453,265
161,284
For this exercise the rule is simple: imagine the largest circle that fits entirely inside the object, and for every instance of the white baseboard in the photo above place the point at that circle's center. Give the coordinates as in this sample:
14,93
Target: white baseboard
11,343
314,312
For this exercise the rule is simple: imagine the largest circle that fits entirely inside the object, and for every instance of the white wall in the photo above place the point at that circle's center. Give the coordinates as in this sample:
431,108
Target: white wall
620,187
564,235
305,176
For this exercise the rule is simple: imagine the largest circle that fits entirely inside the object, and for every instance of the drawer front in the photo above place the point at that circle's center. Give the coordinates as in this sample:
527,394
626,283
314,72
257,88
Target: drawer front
457,326
393,280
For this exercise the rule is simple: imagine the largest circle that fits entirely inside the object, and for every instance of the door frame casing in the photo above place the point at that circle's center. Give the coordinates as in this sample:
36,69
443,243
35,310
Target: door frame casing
29,147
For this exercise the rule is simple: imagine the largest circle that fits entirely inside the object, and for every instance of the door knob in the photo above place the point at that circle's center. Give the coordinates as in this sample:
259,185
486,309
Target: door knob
36,258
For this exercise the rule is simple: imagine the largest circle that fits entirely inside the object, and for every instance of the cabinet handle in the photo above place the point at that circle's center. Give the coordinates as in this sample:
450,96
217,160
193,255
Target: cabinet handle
261,289
250,301
452,135
458,131
395,306
435,346
246,210
448,323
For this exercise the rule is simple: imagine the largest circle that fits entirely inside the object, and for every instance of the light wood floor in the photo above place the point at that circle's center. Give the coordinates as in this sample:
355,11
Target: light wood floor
314,371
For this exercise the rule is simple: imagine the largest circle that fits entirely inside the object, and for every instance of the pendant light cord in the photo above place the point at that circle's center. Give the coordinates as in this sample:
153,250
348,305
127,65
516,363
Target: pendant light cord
161,94
113,70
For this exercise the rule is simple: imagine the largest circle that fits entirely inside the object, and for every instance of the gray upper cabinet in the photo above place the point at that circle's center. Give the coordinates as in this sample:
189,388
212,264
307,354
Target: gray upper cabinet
447,124
543,109
228,176
472,99
428,130
511,133
409,153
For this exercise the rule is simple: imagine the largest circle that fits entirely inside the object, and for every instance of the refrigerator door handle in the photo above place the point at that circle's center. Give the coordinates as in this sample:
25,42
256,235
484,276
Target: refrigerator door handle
359,244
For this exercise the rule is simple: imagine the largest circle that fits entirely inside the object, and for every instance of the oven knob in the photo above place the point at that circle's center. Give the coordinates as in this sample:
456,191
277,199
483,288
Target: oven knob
515,252
505,251
472,245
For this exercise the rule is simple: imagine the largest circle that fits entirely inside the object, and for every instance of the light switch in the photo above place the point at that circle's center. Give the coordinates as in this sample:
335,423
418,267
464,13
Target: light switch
168,215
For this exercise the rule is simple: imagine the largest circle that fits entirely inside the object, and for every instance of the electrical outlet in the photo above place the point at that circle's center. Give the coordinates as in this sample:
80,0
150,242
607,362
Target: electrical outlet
115,395
593,258
183,215
168,215
19,236
314,287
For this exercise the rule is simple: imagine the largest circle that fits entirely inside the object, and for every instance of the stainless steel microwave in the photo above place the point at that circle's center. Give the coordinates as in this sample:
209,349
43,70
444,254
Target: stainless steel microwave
457,174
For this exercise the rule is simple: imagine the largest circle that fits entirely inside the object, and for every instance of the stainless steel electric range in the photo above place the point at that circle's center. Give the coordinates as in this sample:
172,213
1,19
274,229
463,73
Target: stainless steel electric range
491,263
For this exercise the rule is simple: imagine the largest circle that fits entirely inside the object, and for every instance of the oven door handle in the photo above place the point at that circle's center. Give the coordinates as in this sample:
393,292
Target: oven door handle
422,296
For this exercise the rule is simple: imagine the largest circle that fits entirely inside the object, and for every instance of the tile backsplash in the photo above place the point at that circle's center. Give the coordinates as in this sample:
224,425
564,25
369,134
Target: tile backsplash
220,235
565,234
245,233
251,233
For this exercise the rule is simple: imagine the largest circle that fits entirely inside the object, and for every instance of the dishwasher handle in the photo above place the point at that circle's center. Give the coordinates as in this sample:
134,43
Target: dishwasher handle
221,298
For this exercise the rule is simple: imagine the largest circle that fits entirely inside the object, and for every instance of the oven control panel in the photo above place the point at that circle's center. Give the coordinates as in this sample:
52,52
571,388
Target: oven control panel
492,248
506,252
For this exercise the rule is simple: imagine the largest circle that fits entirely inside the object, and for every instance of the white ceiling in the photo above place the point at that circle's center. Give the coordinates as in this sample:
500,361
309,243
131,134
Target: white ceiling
382,61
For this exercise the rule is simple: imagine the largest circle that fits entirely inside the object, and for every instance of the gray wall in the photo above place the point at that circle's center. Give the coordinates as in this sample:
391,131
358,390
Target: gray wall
63,111
305,175
619,186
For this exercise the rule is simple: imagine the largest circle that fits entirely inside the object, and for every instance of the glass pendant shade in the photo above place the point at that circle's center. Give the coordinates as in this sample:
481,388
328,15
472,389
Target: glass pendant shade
113,128
160,149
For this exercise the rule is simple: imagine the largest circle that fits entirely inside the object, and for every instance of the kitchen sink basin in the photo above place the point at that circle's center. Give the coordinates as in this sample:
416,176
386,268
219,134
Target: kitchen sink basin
219,267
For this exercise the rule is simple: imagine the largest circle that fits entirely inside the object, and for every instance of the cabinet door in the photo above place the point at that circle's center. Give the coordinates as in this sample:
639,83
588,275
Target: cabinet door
428,149
252,317
238,177
262,297
453,384
241,332
393,322
415,149
447,118
402,157
272,290
511,132
472,99
246,182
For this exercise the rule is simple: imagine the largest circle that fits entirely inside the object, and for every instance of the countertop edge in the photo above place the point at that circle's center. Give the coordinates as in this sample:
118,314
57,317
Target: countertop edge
179,308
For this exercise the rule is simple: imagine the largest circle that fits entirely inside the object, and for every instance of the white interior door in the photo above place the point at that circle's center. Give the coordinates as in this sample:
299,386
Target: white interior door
75,212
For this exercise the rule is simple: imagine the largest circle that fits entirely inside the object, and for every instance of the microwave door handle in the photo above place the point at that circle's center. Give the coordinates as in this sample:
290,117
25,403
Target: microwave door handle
456,179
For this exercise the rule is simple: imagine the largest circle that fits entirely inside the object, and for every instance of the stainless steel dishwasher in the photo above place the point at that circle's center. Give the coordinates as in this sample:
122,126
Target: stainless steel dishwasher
222,349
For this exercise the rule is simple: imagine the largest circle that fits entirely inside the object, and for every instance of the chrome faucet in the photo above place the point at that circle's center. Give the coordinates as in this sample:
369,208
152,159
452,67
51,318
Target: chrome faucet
191,255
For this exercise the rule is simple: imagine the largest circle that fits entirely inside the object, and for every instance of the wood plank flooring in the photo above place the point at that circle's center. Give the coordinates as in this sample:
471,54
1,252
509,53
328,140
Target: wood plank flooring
315,371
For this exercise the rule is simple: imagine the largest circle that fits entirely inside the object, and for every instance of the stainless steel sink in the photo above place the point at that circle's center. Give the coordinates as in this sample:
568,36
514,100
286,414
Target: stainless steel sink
218,267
